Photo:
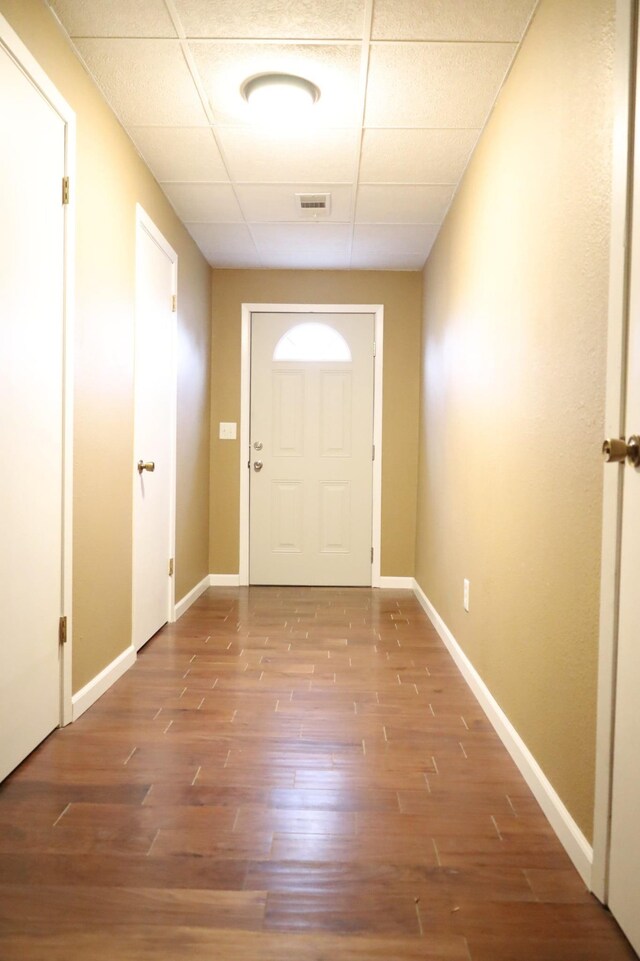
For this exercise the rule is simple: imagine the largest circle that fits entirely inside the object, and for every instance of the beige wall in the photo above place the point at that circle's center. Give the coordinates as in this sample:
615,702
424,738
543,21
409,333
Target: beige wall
400,292
513,393
111,178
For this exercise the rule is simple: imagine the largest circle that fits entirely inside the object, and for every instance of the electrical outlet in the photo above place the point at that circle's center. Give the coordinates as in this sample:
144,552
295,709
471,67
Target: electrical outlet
465,600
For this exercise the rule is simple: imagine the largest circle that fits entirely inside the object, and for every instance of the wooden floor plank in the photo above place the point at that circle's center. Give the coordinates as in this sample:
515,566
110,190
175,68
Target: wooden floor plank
287,772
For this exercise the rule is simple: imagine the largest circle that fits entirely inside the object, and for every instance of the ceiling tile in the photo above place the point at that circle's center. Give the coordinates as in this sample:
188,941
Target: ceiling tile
260,155
415,156
309,259
385,260
333,68
327,237
392,238
262,203
222,242
475,20
277,19
147,82
116,18
435,69
229,260
204,203
182,154
434,84
403,204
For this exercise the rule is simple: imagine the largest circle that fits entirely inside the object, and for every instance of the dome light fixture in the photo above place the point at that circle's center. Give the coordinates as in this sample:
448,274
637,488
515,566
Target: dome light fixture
277,97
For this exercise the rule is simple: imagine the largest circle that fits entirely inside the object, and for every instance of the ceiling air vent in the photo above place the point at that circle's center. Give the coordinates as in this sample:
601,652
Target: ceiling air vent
311,206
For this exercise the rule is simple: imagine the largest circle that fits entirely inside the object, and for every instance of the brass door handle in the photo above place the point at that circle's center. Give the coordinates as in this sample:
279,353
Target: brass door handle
149,465
617,449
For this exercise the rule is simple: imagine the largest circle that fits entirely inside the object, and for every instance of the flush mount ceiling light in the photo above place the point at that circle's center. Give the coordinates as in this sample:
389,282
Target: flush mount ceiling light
279,96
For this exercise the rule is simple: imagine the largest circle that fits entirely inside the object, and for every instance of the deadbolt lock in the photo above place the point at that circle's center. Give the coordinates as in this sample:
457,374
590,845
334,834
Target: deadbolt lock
617,449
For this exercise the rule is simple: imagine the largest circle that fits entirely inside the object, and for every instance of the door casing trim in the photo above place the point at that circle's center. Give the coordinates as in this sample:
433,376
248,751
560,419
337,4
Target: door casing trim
245,406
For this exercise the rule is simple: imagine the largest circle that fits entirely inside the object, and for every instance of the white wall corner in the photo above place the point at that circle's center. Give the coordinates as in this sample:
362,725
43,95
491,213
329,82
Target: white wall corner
568,832
101,683
185,602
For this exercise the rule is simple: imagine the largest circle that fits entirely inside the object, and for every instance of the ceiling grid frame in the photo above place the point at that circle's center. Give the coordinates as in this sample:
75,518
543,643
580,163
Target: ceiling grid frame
364,77
193,70
392,174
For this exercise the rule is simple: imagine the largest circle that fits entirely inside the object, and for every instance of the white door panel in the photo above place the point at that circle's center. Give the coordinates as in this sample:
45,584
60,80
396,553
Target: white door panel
335,514
154,430
311,500
624,853
31,412
288,412
624,885
336,413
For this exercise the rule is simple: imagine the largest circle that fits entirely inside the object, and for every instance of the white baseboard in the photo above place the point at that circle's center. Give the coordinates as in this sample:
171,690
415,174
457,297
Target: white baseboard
101,683
224,580
568,832
395,583
392,583
185,603
233,580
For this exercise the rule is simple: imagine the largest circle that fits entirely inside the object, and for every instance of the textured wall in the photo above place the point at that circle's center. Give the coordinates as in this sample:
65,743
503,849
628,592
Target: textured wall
400,292
513,391
111,179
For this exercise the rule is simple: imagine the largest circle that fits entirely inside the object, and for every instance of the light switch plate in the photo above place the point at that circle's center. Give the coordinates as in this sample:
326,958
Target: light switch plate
228,431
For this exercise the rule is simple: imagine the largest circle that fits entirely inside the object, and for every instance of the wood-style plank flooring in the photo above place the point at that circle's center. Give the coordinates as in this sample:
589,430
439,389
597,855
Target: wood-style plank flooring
287,774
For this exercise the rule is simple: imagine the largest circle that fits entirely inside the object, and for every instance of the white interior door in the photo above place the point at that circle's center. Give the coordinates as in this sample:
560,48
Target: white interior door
311,441
154,445
624,852
32,404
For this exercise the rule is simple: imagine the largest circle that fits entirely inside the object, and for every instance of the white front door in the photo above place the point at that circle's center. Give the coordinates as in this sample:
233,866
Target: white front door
32,404
311,439
154,432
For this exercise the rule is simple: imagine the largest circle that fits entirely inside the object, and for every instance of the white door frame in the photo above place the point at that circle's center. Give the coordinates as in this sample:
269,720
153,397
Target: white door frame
145,224
16,49
623,137
245,401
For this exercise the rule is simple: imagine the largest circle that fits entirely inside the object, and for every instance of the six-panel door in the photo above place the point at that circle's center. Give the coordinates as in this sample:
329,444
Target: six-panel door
311,449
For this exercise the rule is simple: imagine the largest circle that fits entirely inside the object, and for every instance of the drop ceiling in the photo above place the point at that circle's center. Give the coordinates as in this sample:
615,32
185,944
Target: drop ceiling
406,88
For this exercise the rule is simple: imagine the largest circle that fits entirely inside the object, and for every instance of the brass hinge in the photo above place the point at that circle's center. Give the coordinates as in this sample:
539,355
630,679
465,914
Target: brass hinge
65,190
372,555
62,630
373,452
174,304
171,567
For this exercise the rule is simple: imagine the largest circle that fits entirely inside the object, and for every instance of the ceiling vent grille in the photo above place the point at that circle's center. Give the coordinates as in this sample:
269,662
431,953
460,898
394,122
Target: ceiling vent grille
313,205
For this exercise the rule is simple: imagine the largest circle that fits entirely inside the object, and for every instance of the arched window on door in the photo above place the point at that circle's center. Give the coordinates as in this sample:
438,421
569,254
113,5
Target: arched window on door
312,341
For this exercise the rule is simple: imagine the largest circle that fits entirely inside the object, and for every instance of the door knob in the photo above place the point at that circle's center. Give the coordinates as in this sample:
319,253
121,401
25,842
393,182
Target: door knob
149,465
633,450
617,449
258,465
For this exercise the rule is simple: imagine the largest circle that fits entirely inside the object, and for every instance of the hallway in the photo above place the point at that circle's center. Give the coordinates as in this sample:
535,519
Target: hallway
287,773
